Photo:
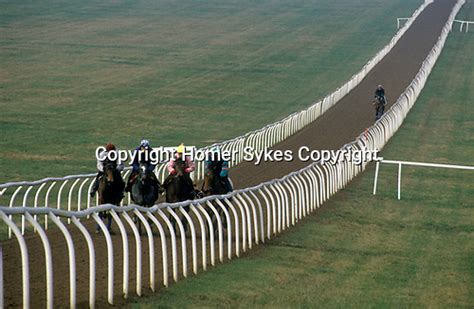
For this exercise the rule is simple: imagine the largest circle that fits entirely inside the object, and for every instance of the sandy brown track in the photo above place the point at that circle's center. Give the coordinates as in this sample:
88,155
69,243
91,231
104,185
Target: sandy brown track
339,125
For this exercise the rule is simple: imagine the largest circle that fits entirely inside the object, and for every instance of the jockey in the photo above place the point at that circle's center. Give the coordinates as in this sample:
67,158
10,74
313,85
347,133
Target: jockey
380,93
189,166
142,154
101,160
216,164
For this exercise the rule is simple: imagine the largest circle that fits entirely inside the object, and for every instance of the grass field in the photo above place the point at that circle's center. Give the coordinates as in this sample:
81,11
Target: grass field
77,74
376,252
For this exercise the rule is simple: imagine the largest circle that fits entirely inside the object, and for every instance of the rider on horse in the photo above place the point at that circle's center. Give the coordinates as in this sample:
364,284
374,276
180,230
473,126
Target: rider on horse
379,102
220,167
189,166
142,154
380,94
101,161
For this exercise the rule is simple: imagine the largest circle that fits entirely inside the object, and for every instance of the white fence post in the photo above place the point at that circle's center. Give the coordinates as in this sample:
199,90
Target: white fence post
90,246
399,179
48,260
400,163
72,259
24,259
110,258
377,165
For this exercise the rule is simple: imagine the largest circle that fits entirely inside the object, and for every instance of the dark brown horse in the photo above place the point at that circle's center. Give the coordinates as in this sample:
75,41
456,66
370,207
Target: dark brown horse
379,104
145,189
215,185
179,187
110,190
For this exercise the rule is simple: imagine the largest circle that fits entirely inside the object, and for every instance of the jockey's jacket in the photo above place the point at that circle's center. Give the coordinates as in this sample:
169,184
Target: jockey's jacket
143,158
380,93
188,165
225,169
102,158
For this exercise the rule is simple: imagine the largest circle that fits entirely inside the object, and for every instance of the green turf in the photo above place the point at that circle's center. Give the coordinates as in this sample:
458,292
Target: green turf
366,251
76,74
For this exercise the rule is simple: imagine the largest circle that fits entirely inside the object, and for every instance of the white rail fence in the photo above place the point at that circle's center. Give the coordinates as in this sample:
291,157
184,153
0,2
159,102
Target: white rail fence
71,192
409,163
249,216
464,23
400,19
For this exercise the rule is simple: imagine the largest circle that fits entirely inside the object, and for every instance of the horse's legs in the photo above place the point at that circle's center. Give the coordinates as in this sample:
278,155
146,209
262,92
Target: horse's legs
97,227
379,112
173,221
222,216
213,221
150,223
139,227
109,222
184,220
137,222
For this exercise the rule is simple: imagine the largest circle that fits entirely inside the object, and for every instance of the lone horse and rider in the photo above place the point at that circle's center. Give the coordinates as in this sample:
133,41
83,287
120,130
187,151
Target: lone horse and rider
380,101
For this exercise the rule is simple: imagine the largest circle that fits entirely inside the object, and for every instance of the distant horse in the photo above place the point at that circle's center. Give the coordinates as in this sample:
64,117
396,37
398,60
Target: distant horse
215,185
178,187
379,104
145,189
110,190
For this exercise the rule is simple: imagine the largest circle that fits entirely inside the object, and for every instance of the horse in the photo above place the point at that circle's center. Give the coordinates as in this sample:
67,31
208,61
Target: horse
214,185
145,189
379,104
179,187
110,190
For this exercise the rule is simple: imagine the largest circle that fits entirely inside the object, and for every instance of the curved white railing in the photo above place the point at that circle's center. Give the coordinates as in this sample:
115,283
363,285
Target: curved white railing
463,23
249,216
71,192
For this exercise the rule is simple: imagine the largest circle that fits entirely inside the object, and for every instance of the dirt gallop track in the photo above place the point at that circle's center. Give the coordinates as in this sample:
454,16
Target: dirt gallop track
354,113
339,125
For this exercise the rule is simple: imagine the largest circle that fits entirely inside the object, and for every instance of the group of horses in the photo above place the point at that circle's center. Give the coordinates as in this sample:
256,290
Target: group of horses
146,188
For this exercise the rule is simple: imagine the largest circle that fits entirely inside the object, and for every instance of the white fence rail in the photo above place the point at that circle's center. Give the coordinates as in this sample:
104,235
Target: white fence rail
249,216
399,19
71,192
400,163
463,23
